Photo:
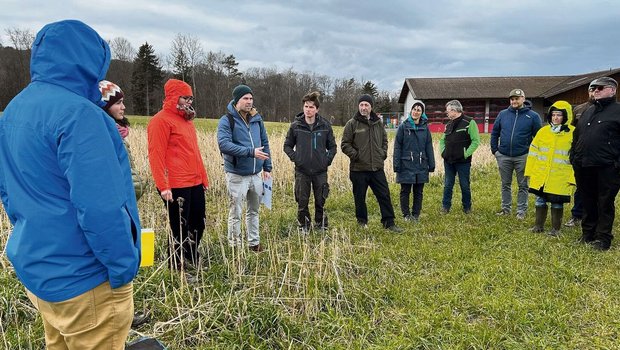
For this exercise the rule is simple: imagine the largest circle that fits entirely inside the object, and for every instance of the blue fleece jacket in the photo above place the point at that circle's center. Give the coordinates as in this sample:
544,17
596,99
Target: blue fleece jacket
241,145
65,179
514,130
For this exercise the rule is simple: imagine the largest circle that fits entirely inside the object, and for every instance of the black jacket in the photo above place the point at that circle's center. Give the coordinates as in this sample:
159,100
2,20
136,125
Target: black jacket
312,150
596,140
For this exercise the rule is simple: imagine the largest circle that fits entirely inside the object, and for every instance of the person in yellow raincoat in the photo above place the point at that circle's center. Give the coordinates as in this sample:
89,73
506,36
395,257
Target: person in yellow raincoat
548,167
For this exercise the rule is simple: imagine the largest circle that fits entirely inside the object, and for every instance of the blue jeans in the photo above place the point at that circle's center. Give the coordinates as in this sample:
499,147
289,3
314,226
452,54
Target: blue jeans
463,170
540,202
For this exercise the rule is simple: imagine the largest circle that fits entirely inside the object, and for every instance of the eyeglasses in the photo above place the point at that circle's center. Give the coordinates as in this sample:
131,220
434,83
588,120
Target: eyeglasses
188,98
598,88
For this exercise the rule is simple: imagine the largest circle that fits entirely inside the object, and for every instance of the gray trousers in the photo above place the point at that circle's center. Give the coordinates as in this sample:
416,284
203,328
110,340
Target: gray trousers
244,189
508,165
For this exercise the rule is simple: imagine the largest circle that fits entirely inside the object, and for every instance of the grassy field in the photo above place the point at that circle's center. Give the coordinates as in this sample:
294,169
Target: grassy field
451,281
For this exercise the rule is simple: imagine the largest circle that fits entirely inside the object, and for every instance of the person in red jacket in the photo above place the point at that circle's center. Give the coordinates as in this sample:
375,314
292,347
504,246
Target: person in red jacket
178,171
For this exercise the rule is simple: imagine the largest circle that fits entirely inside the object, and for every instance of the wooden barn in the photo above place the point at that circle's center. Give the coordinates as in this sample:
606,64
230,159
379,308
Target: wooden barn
484,97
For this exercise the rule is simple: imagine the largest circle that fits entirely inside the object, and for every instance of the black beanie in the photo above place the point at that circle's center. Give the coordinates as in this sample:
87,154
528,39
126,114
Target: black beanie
239,92
366,98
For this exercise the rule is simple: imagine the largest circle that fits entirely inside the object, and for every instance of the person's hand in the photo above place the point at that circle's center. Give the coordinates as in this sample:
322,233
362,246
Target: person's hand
259,154
266,175
166,195
123,130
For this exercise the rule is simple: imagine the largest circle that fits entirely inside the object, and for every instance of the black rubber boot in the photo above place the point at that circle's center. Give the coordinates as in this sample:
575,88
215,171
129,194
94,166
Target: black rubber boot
541,216
556,221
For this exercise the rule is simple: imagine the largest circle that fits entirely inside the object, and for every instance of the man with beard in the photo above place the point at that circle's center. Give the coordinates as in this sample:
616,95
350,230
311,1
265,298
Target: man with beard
365,142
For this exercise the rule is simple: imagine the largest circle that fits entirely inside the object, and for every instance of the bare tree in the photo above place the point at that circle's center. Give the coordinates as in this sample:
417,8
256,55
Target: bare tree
189,46
21,39
122,49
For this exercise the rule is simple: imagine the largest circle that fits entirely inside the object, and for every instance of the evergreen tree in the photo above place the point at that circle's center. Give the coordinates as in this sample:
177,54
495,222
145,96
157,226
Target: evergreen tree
182,70
146,81
370,88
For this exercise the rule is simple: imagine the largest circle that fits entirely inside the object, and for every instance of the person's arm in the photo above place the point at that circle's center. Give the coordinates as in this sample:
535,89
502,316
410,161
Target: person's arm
95,163
396,155
532,156
4,196
536,125
267,165
472,130
385,142
289,143
158,134
430,153
347,141
495,133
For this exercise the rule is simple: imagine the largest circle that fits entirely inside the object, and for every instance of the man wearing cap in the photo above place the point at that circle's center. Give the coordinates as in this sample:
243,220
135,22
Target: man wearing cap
513,131
577,210
243,141
595,156
365,142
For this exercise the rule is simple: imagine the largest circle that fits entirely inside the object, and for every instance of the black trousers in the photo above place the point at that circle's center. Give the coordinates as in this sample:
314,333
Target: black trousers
599,187
377,181
186,214
303,185
418,195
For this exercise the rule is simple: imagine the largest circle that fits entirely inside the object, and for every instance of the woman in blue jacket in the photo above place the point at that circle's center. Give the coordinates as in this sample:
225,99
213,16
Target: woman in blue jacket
413,159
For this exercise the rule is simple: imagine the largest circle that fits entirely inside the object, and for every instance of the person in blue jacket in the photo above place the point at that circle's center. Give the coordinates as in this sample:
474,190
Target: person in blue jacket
513,131
413,159
66,185
243,141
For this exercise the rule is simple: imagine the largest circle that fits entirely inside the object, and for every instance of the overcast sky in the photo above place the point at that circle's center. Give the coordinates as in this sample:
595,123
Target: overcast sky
381,41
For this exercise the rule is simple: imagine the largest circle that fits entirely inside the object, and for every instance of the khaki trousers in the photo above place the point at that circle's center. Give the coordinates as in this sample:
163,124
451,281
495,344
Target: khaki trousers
98,319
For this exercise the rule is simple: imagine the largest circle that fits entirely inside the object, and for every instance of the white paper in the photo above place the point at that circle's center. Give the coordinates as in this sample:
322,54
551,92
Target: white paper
267,192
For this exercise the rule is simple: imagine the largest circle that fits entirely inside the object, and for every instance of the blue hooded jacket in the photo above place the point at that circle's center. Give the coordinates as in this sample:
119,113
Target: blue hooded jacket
514,130
65,180
241,145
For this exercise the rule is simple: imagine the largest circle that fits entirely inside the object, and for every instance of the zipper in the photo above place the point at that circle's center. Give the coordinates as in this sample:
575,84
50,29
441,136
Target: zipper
514,125
251,140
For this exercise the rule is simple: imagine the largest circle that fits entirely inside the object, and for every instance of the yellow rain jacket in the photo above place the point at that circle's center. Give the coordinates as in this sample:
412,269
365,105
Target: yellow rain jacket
547,164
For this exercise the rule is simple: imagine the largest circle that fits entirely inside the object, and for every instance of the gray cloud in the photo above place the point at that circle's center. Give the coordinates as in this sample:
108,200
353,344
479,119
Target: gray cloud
380,41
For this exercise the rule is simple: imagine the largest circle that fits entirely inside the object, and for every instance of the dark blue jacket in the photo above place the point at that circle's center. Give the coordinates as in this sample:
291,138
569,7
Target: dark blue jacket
514,130
413,153
241,145
65,179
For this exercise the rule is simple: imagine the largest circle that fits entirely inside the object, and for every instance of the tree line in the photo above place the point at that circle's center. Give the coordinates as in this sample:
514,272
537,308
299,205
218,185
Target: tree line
141,74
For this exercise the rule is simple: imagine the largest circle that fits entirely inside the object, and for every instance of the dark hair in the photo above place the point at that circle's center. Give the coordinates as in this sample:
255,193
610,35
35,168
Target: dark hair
122,122
312,97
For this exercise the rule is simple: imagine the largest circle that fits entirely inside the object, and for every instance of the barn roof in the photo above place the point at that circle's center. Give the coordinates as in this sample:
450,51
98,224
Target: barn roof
495,87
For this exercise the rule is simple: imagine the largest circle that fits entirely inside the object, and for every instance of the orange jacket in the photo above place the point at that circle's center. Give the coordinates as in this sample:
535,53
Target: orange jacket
174,155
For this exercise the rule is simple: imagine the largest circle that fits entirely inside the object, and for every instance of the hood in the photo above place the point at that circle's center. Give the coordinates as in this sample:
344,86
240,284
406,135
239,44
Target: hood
72,55
565,108
173,89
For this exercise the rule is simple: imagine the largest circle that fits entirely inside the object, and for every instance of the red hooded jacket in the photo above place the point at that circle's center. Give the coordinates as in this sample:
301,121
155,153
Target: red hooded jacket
174,155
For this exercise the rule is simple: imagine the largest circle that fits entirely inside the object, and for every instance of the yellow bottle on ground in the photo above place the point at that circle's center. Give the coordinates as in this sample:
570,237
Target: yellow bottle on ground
147,237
